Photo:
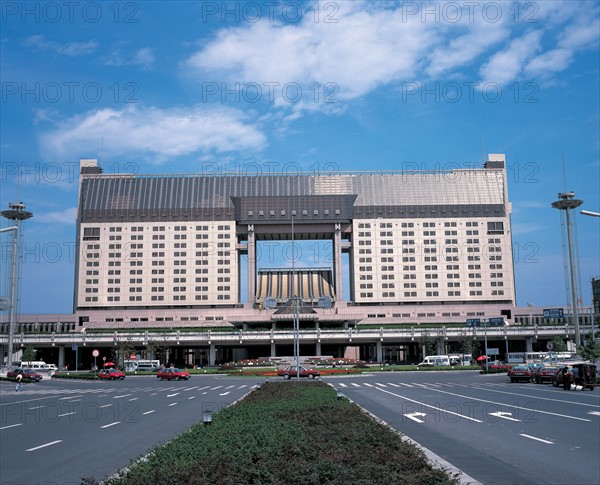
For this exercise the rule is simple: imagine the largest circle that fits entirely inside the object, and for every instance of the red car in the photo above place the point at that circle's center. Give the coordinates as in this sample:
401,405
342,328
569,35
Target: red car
545,373
111,374
500,366
27,374
172,373
520,373
291,371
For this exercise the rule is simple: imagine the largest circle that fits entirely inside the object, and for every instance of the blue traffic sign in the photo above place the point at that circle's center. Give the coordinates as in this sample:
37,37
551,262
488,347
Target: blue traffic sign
496,321
473,322
554,313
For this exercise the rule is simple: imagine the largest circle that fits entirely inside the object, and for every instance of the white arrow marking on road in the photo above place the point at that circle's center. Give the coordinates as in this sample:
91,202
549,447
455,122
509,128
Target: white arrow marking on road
503,415
595,413
414,418
225,393
171,395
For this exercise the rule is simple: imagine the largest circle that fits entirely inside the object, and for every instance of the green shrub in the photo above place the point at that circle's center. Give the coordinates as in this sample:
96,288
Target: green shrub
287,433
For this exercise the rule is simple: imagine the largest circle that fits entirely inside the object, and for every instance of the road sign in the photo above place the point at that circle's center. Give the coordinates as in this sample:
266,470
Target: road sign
95,353
554,313
74,347
473,322
496,321
492,351
132,356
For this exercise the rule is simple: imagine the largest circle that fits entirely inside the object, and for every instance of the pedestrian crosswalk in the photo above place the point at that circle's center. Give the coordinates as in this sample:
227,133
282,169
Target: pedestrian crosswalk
63,393
415,385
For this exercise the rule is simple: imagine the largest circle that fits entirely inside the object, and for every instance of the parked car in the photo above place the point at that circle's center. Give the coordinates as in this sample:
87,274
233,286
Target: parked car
520,373
111,374
27,374
545,373
172,373
291,371
582,374
499,366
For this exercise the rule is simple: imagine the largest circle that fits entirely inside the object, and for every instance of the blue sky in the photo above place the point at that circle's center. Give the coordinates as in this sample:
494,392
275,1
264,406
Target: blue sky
204,87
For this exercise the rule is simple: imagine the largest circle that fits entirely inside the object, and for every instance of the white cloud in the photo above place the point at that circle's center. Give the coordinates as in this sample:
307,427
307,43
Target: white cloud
505,66
71,49
143,57
66,216
154,131
376,44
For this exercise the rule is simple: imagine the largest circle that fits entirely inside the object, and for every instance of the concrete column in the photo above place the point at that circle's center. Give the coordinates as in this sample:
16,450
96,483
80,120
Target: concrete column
441,347
318,349
528,344
61,357
251,264
273,349
379,347
337,261
212,355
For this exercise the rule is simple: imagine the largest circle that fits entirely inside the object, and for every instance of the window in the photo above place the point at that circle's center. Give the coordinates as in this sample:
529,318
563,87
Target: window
495,228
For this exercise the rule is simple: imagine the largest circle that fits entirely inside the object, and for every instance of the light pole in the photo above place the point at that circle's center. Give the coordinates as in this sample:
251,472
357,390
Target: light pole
296,311
565,203
16,212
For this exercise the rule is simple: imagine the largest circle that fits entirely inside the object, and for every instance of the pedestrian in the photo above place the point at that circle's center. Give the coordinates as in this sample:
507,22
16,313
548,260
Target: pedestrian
19,378
566,378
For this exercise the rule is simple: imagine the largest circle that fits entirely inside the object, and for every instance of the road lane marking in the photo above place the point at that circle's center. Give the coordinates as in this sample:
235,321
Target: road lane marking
122,395
215,388
37,407
190,388
413,416
355,384
406,385
11,426
595,413
224,393
538,397
110,424
134,399
44,446
241,387
172,395
149,412
154,394
106,405
380,384
75,400
369,385
511,405
229,387
66,414
343,385
173,404
537,439
504,415
394,385
205,387
192,397
429,406
70,397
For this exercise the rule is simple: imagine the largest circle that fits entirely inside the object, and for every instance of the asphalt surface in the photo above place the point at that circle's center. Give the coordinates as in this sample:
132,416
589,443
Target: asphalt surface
58,431
495,431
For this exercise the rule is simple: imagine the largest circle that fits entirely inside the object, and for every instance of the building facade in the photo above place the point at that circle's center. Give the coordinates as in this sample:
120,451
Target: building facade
160,242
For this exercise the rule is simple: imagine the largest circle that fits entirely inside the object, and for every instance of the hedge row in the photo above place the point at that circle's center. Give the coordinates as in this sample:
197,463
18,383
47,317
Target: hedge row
286,433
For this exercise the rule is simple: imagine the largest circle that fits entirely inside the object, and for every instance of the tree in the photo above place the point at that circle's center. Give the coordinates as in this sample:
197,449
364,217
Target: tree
559,345
590,350
28,354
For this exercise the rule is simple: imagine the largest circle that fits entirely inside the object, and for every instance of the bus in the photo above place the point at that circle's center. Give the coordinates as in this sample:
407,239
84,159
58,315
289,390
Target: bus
515,358
142,365
535,357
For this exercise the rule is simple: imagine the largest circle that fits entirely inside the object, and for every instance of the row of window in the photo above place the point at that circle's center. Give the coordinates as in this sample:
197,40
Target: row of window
413,294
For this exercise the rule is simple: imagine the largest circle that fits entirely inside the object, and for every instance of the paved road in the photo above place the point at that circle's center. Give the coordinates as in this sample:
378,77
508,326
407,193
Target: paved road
59,431
495,431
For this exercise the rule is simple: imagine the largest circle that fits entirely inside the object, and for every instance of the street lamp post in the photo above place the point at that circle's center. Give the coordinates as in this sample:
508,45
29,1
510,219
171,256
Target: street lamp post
16,212
565,203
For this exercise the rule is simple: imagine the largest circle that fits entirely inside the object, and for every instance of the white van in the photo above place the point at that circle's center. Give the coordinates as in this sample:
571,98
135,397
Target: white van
435,360
35,365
